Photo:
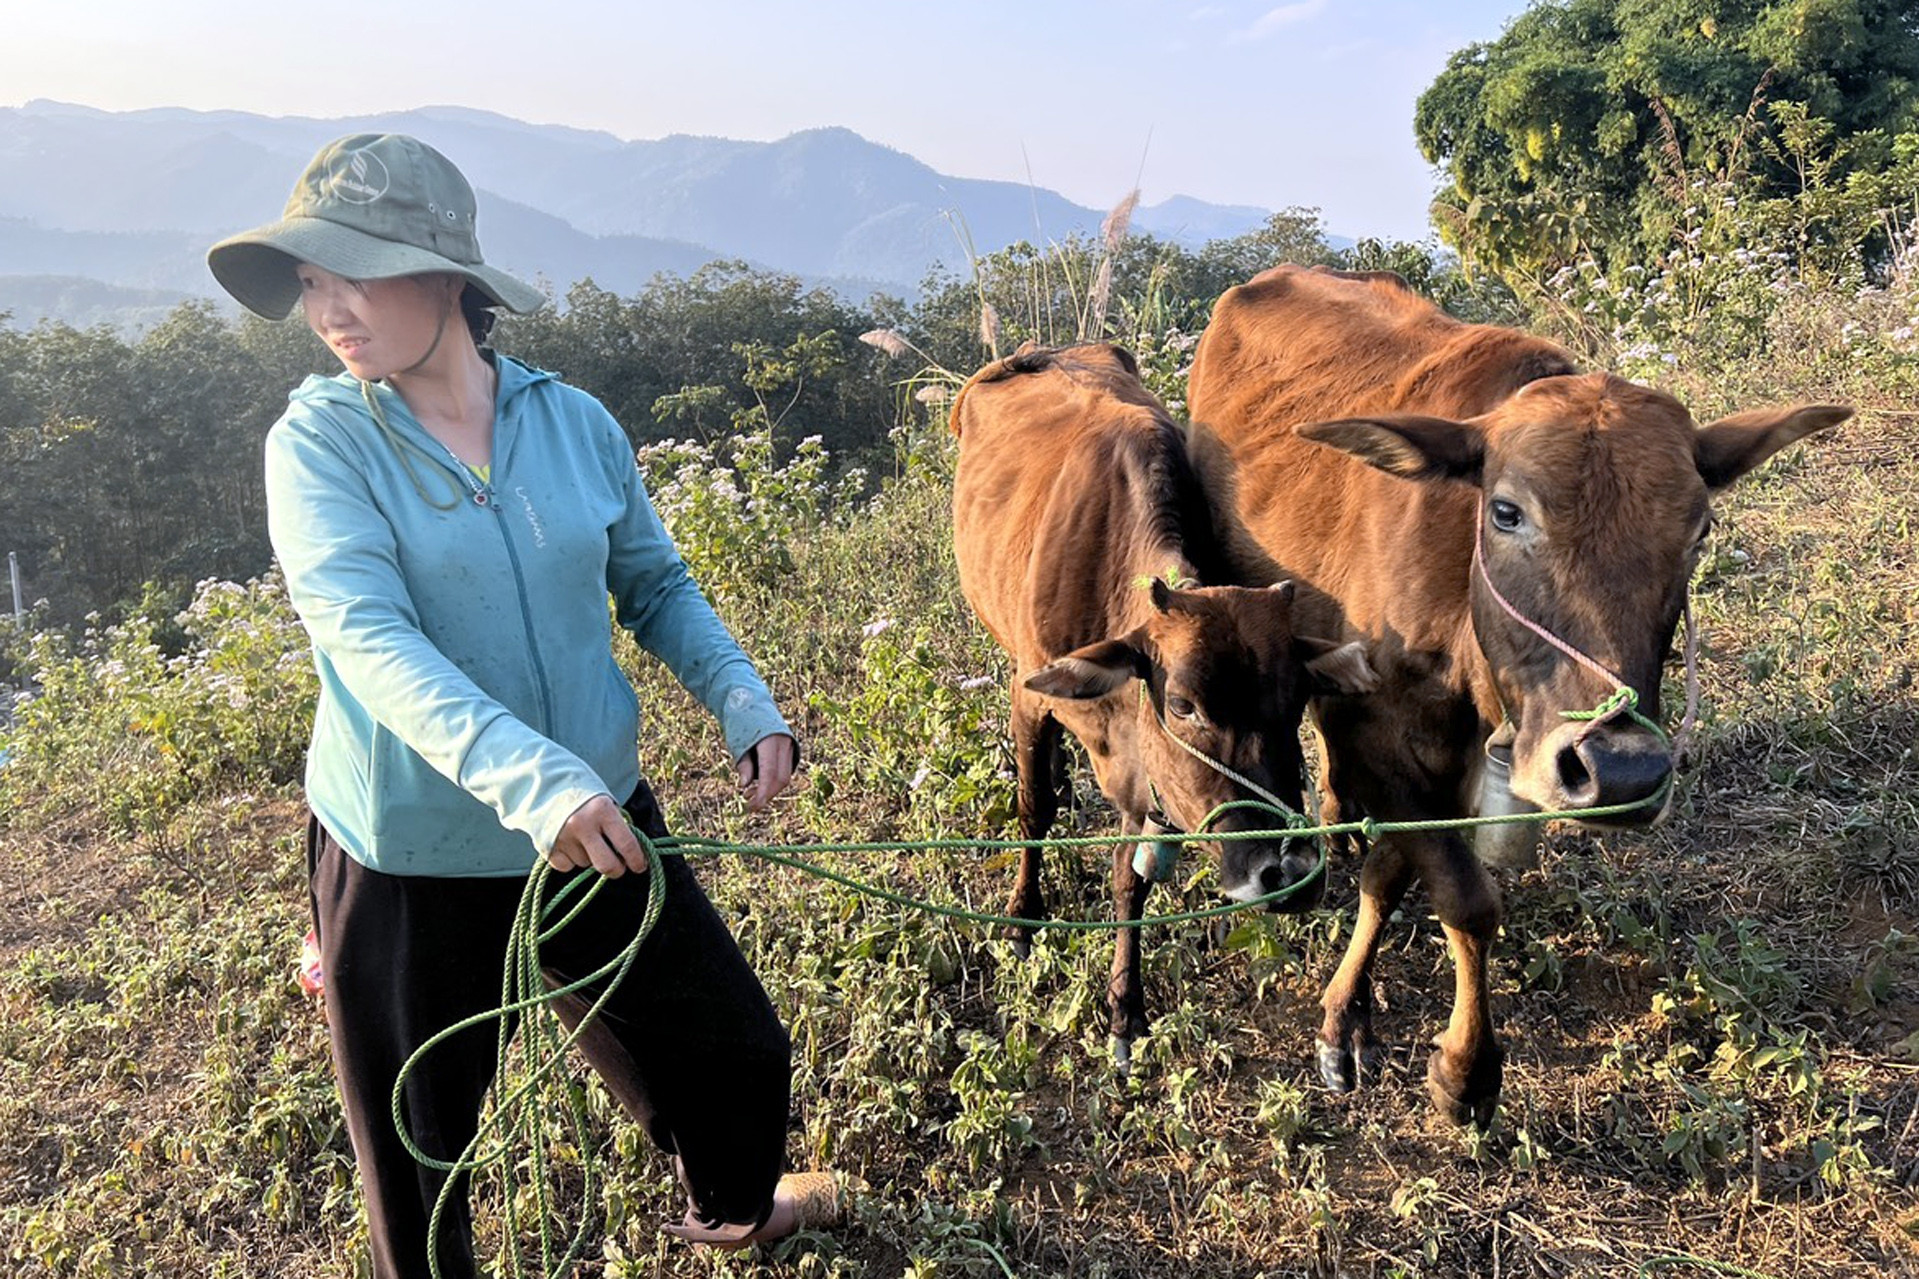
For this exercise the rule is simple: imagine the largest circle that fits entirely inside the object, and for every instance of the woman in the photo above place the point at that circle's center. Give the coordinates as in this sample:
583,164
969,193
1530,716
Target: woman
451,523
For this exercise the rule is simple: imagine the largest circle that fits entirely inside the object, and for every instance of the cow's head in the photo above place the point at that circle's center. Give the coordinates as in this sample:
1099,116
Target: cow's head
1220,670
1593,505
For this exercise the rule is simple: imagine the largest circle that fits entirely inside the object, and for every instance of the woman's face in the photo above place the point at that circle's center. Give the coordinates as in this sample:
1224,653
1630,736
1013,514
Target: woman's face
378,327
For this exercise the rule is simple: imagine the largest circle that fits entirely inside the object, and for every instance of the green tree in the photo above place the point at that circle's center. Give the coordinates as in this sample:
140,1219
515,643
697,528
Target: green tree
124,462
1290,235
1436,273
1595,123
680,333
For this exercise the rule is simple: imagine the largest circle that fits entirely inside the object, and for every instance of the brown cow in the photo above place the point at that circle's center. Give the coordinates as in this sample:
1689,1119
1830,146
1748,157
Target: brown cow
1073,488
1370,439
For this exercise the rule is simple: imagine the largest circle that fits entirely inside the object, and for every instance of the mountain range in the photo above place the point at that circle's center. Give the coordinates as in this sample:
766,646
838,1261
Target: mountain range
106,216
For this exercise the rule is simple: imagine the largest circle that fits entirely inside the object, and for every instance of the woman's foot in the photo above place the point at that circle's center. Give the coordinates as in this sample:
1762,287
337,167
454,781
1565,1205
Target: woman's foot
802,1201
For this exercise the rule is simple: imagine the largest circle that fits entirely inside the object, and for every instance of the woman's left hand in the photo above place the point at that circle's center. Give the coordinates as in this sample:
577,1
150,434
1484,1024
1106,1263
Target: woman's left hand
766,769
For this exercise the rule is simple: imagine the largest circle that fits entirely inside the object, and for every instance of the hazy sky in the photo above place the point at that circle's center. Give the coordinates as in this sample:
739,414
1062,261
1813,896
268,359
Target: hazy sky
1302,103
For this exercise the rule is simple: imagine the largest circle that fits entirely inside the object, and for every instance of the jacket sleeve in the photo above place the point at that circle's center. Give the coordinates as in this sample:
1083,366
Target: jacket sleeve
343,575
658,601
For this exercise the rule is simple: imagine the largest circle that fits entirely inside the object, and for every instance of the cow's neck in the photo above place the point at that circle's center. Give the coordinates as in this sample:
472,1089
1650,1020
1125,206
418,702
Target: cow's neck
1403,576
1239,559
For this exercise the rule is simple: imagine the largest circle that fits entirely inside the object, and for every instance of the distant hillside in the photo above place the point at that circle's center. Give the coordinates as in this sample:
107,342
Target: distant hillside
127,259
27,299
132,199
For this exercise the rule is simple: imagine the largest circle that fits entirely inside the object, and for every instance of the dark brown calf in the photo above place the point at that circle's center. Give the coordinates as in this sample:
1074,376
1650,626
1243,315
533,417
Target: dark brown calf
1073,492
1371,441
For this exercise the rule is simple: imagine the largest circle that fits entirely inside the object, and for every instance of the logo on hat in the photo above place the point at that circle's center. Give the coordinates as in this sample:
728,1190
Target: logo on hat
358,177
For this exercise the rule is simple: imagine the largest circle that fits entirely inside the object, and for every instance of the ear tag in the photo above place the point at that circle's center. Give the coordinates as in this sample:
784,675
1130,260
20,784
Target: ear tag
1155,860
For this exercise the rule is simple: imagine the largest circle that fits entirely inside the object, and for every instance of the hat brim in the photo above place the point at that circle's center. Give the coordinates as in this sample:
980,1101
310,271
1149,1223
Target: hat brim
257,266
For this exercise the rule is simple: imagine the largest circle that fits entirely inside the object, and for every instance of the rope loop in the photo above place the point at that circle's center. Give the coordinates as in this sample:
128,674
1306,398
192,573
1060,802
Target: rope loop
1624,701
511,1121
1625,698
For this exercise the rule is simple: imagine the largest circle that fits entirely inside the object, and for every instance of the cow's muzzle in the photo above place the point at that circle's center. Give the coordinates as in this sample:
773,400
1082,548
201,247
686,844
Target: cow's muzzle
1252,869
1604,766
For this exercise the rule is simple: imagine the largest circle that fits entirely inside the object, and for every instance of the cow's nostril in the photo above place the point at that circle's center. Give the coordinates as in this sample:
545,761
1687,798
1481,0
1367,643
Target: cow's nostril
1575,779
1271,879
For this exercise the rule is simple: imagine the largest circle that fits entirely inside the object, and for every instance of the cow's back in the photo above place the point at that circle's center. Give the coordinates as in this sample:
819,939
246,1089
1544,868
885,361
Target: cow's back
1297,345
1069,485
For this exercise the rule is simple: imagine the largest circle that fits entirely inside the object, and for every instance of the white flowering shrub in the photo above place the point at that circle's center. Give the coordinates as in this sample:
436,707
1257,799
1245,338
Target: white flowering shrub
1738,290
114,718
737,520
1165,359
1709,295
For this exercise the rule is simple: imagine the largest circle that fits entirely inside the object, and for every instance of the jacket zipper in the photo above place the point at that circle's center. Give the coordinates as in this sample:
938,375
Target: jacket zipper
487,497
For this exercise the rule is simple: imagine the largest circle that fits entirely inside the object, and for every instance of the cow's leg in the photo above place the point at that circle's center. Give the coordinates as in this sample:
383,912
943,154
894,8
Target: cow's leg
1336,808
1126,990
1463,1075
1036,756
1348,1053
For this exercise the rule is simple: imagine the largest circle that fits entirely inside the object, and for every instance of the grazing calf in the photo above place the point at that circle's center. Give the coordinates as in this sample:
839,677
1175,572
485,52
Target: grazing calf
1511,538
1074,490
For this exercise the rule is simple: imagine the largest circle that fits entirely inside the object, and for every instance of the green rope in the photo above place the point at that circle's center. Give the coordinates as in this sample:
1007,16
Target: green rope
545,1048
697,846
510,1113
1625,699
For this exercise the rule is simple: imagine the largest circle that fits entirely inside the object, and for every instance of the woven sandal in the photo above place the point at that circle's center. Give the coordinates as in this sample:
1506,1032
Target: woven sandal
802,1201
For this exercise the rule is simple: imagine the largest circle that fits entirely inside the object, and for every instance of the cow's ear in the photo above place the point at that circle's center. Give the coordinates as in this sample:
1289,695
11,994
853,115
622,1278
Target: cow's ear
1092,671
1406,444
1730,447
1338,668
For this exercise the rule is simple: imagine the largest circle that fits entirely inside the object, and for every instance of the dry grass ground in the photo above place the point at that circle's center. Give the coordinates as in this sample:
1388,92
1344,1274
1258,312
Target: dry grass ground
1713,1027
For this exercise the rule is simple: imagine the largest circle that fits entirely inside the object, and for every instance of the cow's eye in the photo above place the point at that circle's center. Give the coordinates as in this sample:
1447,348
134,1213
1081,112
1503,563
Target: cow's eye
1180,708
1506,515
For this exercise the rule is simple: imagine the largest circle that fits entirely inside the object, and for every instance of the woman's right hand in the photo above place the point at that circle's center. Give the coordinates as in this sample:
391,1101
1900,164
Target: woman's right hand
597,837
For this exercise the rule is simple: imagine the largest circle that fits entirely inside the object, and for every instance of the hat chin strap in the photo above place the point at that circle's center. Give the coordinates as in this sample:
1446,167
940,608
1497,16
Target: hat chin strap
438,333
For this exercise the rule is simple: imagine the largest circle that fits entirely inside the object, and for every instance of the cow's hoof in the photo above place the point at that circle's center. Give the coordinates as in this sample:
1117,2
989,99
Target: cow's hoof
1122,1055
1337,1069
1344,1069
1022,939
1473,1100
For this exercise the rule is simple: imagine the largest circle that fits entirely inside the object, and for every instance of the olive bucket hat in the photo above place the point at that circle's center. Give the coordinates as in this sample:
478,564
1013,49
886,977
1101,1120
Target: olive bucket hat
370,206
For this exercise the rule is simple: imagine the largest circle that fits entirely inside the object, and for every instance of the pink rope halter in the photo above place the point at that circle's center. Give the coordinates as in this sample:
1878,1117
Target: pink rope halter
1625,697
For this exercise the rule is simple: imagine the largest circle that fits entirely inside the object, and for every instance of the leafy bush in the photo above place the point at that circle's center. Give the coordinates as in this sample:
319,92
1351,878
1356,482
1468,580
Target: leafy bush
922,739
736,521
116,721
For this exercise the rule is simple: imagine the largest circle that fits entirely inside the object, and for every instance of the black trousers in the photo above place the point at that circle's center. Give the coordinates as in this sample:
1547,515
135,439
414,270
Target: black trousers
689,1044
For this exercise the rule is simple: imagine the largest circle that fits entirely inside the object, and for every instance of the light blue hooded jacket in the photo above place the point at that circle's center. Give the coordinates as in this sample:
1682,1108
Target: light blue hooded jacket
469,699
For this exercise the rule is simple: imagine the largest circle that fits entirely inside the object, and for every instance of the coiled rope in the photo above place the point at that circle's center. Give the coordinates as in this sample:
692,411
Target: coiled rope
513,1121
511,1114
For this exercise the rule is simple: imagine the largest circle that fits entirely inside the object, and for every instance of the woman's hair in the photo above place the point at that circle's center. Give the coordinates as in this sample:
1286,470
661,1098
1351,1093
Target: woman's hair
477,311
